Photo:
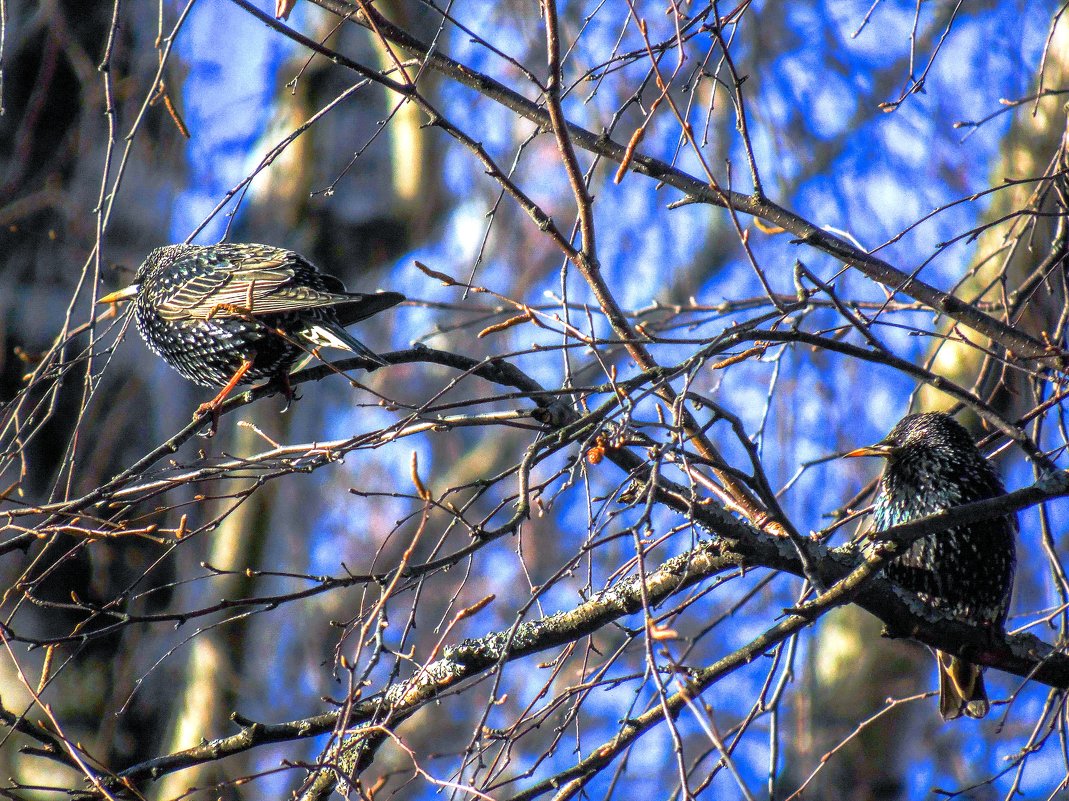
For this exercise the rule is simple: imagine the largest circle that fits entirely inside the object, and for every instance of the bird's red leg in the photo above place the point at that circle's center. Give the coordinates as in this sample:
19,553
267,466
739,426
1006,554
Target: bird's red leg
212,406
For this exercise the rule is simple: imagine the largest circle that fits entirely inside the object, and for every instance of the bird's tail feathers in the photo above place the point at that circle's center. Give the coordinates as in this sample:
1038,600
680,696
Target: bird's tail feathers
360,307
961,688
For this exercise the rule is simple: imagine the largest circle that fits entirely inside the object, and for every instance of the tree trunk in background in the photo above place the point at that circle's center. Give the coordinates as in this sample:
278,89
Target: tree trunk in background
1033,147
218,658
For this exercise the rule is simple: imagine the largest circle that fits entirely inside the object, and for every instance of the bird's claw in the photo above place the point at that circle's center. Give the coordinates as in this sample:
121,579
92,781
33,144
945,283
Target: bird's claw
288,392
291,396
208,409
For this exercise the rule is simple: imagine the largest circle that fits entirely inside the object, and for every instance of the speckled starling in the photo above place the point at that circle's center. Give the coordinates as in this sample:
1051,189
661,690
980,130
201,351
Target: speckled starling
965,573
227,314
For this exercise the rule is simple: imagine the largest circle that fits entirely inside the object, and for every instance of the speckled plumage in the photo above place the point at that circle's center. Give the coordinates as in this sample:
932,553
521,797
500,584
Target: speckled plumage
207,309
965,572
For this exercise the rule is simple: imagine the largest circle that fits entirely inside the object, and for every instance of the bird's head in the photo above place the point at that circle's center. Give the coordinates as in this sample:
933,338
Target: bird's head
932,431
160,257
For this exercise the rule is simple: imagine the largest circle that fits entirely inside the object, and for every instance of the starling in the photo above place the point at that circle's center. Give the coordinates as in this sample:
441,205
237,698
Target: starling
233,313
964,573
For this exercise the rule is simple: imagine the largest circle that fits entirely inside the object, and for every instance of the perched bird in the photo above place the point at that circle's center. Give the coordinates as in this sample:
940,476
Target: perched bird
233,313
965,573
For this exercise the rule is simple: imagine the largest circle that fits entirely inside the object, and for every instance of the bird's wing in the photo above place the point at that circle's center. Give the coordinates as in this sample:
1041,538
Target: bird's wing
252,287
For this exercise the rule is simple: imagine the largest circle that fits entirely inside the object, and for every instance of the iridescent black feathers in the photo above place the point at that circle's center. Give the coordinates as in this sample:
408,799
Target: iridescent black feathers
966,572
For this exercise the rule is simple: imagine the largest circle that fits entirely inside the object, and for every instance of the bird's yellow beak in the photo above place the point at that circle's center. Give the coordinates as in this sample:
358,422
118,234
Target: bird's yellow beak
879,449
122,295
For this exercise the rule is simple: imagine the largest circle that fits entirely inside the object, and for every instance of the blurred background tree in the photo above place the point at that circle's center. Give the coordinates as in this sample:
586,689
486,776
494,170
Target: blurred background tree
665,263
